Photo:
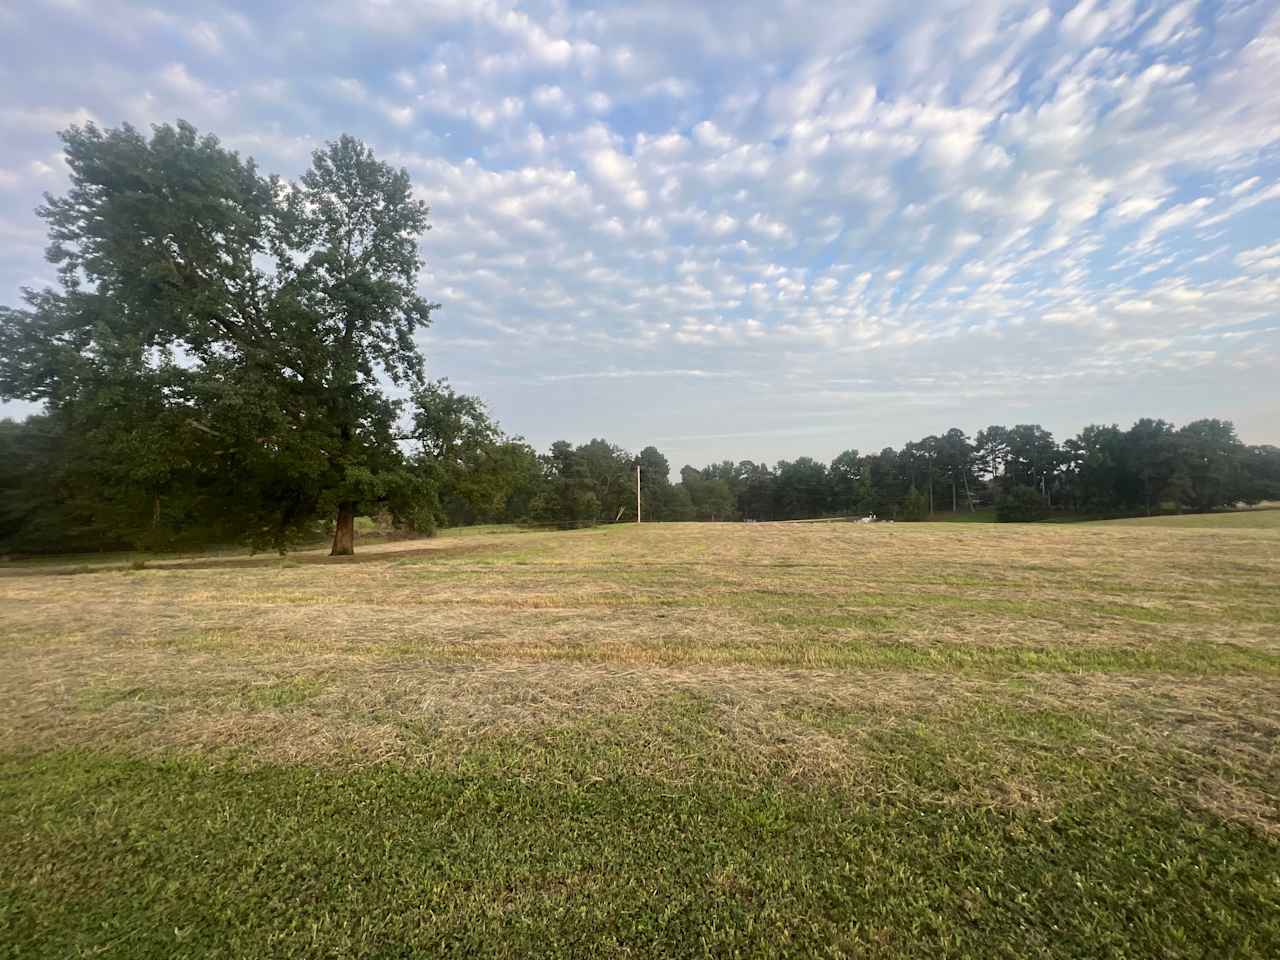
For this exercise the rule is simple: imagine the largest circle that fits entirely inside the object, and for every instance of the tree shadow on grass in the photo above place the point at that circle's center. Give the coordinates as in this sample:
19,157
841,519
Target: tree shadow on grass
439,551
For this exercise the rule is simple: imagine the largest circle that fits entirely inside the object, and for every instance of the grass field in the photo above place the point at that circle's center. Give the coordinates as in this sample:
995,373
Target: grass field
906,740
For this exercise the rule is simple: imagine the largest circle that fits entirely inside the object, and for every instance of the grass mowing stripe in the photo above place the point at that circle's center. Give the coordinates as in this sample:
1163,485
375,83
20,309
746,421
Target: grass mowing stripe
679,739
182,858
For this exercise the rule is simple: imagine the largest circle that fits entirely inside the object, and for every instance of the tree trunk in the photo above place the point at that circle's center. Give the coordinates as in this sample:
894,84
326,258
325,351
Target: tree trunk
344,534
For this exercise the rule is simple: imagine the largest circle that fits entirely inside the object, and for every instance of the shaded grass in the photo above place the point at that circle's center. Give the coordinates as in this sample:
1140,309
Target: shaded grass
980,515
1265,517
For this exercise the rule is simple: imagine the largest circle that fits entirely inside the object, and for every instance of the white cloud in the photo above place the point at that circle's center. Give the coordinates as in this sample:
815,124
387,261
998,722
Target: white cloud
400,116
617,171
1036,194
1175,217
205,36
1260,259
550,97
723,224
1172,25
709,135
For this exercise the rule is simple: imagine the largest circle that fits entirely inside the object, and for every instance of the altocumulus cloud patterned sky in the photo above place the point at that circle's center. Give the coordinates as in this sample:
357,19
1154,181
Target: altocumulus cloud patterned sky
753,229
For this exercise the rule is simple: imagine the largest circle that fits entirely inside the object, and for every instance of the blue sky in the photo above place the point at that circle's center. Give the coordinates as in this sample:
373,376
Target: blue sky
752,230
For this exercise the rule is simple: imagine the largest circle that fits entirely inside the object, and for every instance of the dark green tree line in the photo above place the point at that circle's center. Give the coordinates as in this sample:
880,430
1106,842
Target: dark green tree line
1020,470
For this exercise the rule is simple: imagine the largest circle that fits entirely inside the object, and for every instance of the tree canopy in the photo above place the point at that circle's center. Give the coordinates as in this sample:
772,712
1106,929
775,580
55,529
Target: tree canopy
222,342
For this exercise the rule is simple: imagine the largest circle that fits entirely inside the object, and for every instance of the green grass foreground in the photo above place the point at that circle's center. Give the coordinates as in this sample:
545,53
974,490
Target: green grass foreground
183,858
681,741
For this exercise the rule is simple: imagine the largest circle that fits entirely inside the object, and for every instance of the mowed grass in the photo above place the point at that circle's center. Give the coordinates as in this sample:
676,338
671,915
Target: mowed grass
907,740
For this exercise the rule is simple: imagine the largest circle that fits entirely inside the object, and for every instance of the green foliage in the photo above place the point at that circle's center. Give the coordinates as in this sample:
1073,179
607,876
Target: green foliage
37,504
915,506
800,488
1021,504
847,479
710,493
677,505
475,473
1104,471
1213,464
595,483
217,349
655,484
568,497
1261,474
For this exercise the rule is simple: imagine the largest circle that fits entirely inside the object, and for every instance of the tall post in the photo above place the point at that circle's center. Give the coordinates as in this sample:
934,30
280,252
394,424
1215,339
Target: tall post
637,493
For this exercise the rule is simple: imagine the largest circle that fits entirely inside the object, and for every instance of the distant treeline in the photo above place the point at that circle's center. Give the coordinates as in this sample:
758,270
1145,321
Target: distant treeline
60,492
1020,471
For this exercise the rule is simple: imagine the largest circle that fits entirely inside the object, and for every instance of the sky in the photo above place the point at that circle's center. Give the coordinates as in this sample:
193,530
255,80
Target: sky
751,229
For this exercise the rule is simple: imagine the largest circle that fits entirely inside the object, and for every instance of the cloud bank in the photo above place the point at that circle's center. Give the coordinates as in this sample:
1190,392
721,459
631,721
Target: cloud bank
753,229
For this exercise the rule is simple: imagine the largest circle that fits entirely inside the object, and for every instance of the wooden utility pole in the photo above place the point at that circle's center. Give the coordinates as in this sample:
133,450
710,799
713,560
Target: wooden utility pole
637,493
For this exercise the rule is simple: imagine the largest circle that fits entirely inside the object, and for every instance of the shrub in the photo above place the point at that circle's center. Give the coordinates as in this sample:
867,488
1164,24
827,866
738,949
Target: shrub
1021,504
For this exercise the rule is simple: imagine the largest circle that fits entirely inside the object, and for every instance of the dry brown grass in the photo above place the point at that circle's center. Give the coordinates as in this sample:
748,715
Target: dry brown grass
678,594
827,653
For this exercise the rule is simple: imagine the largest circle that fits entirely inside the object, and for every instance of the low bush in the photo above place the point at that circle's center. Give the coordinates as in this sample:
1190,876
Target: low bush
1021,504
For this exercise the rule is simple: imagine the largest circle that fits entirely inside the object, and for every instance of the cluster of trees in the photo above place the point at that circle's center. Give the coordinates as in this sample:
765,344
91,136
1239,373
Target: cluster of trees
130,485
218,359
230,357
115,474
1021,470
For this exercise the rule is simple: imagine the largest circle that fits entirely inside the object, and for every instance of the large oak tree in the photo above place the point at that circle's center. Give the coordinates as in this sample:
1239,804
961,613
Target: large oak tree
230,335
